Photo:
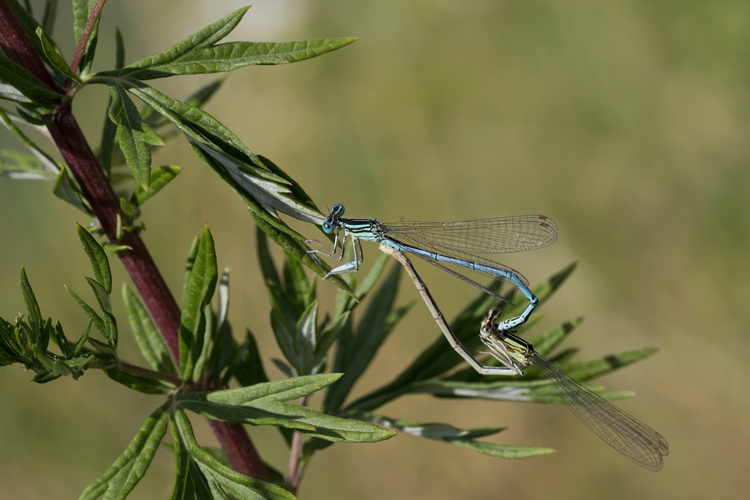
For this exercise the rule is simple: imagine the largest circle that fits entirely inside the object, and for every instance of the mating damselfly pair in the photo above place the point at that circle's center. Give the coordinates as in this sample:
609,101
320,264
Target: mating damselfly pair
461,245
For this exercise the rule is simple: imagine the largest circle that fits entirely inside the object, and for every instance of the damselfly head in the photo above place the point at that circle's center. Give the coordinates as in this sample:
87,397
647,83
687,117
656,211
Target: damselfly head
330,223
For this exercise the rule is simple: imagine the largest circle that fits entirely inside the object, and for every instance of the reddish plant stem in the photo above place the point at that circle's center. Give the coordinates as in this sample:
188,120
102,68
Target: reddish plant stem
296,469
96,188
86,34
240,449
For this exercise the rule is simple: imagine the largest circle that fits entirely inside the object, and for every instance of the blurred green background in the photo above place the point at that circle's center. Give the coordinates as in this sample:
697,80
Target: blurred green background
625,121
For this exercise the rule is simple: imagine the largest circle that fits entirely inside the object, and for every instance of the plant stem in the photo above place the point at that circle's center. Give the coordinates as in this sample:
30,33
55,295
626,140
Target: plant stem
85,35
295,468
96,188
77,153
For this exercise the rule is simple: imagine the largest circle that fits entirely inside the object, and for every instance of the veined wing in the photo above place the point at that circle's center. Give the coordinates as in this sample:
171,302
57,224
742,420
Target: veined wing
623,432
501,235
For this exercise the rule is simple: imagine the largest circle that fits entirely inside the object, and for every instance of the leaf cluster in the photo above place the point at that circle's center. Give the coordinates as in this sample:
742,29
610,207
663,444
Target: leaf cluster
216,374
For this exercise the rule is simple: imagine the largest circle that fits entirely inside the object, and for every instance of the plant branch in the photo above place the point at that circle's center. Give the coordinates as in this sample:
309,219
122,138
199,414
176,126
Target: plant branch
96,188
239,449
295,468
70,141
86,34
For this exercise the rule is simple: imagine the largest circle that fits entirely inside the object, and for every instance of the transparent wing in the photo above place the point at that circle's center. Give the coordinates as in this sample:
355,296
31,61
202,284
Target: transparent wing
501,235
623,432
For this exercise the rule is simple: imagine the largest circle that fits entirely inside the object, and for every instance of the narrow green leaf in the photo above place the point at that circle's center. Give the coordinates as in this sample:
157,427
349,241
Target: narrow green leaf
129,210
505,389
109,128
222,307
46,162
193,122
55,59
308,338
57,335
67,189
10,93
273,193
294,187
531,387
224,152
195,100
32,306
147,336
201,357
24,166
247,415
267,267
586,370
134,136
248,366
140,383
299,287
78,347
110,322
503,450
229,57
262,404
285,331
461,437
252,181
122,476
437,431
160,177
103,348
98,321
198,289
189,481
206,37
224,351
24,82
34,114
97,257
107,143
213,479
276,391
119,49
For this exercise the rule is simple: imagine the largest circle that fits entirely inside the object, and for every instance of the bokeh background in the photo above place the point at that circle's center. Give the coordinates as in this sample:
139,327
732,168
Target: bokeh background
625,121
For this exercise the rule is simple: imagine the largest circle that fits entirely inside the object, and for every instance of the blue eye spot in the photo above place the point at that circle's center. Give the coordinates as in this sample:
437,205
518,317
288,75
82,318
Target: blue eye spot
327,227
